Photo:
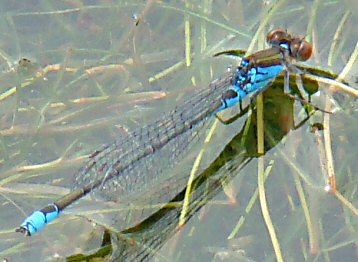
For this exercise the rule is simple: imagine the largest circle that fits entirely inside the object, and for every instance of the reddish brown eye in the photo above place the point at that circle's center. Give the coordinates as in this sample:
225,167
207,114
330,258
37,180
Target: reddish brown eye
276,36
301,49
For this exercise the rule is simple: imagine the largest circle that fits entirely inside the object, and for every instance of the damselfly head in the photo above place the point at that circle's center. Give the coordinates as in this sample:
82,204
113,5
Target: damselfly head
278,36
301,50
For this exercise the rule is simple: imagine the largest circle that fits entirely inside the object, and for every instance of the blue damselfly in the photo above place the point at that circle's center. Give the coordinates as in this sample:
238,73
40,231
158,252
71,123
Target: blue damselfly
127,165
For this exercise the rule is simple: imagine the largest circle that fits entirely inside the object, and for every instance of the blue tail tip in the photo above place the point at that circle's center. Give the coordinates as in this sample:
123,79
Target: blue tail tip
23,230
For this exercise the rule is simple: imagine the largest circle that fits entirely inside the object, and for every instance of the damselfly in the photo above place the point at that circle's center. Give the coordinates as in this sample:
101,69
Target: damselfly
130,163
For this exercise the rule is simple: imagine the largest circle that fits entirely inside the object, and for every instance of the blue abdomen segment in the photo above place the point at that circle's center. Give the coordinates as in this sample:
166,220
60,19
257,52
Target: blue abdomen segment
230,97
39,218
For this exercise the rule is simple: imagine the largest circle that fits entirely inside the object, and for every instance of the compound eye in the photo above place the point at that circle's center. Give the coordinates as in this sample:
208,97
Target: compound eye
301,50
277,36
